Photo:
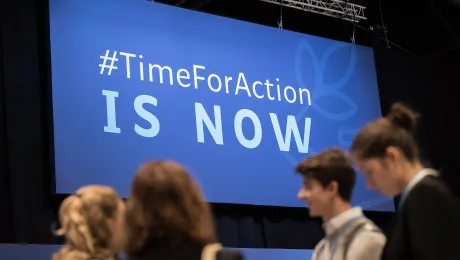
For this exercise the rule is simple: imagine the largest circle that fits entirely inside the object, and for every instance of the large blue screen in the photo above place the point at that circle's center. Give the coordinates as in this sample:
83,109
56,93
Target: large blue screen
239,104
44,252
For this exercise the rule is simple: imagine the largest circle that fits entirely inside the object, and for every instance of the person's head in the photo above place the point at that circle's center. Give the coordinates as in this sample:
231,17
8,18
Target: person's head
328,181
386,152
86,219
165,206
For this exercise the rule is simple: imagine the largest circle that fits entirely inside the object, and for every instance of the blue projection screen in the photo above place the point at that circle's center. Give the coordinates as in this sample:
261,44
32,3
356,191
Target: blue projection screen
44,252
238,104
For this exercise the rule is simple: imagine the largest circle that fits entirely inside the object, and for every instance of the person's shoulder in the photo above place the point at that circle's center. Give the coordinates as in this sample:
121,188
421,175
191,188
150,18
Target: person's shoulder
367,225
318,248
320,244
432,182
433,187
367,244
369,233
432,196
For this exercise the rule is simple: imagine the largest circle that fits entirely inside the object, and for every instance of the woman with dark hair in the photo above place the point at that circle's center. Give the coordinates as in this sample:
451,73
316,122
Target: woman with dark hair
428,218
166,216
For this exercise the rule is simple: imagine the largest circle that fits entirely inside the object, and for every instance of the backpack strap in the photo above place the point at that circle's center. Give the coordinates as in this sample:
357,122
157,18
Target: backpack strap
209,251
356,229
319,249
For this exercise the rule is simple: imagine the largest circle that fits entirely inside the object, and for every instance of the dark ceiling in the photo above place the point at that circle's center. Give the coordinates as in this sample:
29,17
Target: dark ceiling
420,27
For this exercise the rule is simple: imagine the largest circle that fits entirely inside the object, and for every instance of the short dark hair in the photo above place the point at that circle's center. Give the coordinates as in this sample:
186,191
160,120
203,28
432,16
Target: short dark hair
328,166
396,129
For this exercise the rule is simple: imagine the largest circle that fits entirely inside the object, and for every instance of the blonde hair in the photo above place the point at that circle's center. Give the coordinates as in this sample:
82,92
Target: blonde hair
83,218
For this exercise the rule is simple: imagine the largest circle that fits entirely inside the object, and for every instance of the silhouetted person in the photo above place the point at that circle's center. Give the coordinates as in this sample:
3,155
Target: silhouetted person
328,182
428,217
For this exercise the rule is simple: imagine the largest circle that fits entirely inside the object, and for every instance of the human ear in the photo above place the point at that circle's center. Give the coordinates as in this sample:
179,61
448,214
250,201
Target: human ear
333,187
392,153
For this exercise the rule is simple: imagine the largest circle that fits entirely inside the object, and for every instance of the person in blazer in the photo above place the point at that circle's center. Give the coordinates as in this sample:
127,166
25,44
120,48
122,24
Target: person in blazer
427,222
327,187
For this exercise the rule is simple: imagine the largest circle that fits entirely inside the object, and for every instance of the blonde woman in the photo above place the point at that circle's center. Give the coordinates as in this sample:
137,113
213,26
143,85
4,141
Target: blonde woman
87,220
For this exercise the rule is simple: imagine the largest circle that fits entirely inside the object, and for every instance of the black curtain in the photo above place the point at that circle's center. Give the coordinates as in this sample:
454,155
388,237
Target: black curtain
5,191
28,209
428,85
410,79
23,121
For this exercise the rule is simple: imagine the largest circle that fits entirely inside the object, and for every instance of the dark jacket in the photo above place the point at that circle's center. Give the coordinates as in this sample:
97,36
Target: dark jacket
427,225
184,250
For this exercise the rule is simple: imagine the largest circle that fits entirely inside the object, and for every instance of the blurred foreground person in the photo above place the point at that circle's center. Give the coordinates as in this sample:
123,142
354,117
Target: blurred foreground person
428,217
166,216
86,220
328,182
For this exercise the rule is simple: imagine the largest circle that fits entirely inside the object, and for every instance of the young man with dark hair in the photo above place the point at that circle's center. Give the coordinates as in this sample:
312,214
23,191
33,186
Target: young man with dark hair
328,182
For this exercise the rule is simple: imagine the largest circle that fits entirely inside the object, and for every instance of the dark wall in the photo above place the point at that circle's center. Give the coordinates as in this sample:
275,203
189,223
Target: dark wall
27,209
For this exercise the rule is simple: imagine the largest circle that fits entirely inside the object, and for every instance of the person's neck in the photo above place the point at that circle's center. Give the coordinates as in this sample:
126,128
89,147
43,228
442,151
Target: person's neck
338,207
410,170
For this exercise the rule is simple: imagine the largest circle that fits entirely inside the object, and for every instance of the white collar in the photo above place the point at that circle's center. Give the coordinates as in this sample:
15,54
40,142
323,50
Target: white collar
340,220
418,177
413,182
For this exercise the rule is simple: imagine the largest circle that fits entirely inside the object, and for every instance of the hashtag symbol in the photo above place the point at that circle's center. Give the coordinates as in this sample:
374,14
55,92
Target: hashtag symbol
108,59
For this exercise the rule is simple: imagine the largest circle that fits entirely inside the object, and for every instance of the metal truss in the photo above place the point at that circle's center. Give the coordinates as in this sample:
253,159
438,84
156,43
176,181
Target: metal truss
334,8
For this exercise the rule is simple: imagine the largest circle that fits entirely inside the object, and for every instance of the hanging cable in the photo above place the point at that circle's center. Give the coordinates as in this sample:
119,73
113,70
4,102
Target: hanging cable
383,25
181,2
446,23
280,23
345,15
354,29
386,40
